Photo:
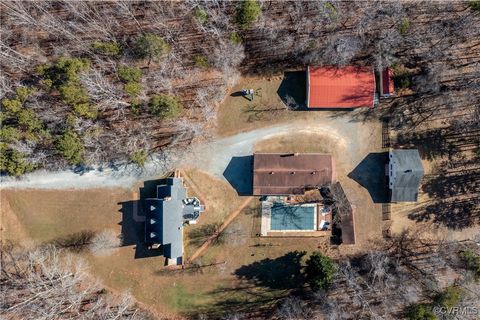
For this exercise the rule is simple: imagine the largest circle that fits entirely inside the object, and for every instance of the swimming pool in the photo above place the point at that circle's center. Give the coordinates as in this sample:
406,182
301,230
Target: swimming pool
292,218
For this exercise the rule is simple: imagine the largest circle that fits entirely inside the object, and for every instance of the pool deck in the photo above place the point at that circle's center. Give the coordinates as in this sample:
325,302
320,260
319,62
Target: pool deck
298,234
266,223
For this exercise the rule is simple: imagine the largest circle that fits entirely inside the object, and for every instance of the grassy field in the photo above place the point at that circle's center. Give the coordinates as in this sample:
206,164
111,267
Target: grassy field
238,114
47,215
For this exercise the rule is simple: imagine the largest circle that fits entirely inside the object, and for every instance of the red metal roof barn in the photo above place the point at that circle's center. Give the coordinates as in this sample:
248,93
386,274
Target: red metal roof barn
346,87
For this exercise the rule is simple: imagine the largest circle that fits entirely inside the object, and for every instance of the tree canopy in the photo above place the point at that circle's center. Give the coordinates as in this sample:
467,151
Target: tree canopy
248,11
70,146
165,106
151,46
320,271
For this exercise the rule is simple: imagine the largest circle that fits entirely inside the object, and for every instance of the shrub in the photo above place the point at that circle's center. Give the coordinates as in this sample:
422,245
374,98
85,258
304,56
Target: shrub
402,77
110,48
449,298
28,119
72,93
139,157
133,89
235,38
420,312
65,70
248,11
104,243
474,5
129,74
24,92
331,11
43,68
151,46
47,83
9,134
201,62
165,106
136,106
320,271
472,262
86,110
70,146
71,120
13,162
12,105
201,15
404,26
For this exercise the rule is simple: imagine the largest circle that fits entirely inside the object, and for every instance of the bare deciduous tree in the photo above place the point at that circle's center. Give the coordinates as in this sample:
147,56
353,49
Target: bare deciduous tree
47,283
105,243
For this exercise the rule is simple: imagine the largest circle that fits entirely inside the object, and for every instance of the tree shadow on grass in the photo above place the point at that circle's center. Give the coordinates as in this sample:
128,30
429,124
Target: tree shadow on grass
281,273
75,242
249,301
456,214
266,283
431,143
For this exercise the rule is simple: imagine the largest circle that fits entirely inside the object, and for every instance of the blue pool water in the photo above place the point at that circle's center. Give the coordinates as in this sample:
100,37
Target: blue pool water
285,217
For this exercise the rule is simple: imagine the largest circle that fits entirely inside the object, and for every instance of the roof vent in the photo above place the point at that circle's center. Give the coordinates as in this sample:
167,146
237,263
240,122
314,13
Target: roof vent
314,172
271,172
293,172
409,170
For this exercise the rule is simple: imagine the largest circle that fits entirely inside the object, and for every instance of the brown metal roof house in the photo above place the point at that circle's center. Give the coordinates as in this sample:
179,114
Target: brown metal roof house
290,174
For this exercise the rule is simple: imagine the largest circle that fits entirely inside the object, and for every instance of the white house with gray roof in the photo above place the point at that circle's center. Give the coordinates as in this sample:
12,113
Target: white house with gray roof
405,172
166,215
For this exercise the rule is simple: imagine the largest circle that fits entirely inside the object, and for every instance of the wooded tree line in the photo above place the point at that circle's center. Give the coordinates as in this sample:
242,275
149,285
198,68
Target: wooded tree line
49,283
189,53
105,75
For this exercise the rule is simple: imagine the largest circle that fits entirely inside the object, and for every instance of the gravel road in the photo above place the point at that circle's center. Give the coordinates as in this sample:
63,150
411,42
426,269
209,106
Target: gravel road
212,157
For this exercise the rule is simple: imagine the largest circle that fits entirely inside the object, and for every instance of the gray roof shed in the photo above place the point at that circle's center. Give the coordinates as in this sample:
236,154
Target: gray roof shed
407,172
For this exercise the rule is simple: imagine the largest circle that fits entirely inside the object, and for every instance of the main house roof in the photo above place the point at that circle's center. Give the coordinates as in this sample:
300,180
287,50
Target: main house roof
164,217
288,174
346,87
